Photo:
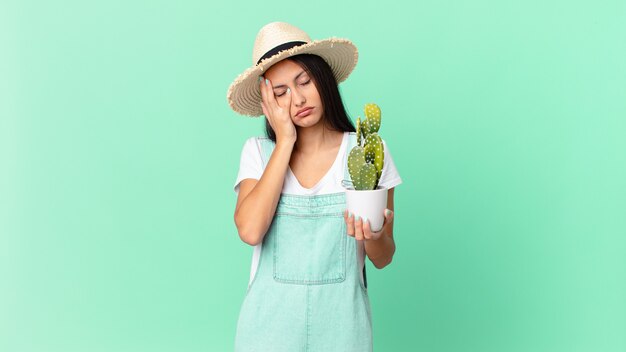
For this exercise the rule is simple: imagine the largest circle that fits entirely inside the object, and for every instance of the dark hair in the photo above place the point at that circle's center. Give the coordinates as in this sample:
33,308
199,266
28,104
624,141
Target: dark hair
334,114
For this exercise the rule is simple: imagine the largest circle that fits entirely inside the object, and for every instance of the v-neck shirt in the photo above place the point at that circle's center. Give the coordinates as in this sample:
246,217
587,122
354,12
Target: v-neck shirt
251,166
295,187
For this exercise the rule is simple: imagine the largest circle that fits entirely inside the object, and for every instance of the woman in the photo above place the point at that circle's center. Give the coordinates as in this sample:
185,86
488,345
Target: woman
307,288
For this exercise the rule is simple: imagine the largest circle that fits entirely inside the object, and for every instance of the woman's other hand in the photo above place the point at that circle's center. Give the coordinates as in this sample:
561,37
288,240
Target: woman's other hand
362,231
278,115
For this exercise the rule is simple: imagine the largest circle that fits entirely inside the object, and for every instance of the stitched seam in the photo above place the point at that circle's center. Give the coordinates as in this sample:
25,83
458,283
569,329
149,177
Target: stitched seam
318,215
311,282
317,196
339,276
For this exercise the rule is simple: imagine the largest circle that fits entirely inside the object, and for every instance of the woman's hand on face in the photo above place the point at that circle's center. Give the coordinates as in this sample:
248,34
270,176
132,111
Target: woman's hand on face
362,231
278,115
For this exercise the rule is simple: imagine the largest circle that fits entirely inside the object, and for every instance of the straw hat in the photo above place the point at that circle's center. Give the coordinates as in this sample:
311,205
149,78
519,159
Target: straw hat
277,41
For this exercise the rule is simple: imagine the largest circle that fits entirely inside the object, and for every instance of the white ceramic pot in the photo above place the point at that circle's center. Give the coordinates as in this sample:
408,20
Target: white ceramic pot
368,205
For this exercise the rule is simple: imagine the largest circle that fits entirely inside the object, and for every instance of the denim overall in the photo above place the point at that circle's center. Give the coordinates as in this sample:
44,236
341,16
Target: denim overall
306,295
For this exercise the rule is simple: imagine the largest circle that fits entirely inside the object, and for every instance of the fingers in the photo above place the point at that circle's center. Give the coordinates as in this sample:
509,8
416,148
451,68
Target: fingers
287,104
355,226
367,233
269,95
266,113
361,229
358,229
388,216
265,106
349,218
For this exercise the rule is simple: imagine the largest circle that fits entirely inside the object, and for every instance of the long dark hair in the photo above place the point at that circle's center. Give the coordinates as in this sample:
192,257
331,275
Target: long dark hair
335,115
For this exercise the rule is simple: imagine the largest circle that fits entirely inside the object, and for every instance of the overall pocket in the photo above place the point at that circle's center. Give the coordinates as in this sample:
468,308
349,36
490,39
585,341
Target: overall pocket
310,249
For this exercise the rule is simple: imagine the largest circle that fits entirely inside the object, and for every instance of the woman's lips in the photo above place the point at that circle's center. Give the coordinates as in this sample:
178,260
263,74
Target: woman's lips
305,112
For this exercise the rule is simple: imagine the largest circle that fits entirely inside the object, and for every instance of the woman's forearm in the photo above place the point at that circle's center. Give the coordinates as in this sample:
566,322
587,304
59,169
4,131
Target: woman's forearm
381,251
254,215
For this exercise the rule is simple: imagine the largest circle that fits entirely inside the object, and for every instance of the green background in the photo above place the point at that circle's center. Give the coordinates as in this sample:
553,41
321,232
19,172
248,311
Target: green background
118,154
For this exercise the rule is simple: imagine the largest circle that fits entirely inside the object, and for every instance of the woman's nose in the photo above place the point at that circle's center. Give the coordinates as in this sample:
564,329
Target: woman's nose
297,98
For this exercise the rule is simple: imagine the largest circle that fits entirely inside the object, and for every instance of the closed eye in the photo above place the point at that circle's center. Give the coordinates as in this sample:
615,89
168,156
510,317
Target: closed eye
302,84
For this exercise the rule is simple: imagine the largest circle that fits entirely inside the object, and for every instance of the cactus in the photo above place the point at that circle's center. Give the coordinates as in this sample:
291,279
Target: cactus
365,128
363,174
366,160
358,131
372,114
374,152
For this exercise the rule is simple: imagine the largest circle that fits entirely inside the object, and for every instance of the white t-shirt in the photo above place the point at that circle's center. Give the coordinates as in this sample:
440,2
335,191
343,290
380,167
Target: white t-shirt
251,166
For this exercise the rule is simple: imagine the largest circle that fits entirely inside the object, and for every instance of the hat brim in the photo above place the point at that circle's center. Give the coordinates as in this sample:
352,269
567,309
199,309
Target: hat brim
244,94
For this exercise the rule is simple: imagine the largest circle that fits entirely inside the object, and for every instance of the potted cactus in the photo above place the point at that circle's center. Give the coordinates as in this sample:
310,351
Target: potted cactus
364,197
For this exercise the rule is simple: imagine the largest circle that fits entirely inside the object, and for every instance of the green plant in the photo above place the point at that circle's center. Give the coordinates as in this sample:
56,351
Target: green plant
366,159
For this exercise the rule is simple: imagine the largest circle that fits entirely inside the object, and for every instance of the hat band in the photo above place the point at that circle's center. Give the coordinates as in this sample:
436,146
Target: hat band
280,48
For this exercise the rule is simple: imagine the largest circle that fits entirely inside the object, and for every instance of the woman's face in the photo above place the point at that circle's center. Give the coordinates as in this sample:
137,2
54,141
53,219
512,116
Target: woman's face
288,74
